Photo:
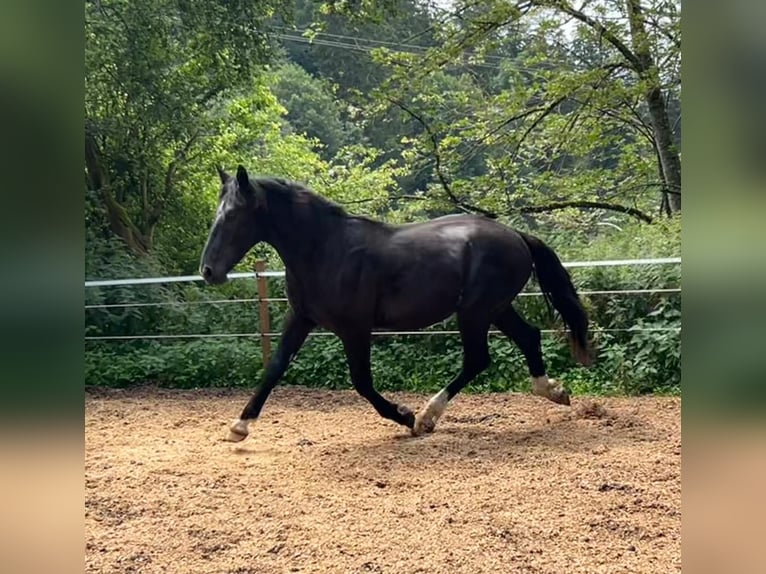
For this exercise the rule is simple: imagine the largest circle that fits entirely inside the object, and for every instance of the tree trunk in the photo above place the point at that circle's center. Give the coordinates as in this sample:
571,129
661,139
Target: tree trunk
639,59
666,149
121,224
670,162
119,220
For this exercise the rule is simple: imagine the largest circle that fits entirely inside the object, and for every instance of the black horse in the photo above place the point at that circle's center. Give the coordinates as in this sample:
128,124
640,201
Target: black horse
350,275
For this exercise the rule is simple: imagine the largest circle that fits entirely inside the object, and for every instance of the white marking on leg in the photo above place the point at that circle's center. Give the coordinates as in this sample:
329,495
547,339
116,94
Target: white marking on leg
425,420
541,386
437,405
551,389
238,430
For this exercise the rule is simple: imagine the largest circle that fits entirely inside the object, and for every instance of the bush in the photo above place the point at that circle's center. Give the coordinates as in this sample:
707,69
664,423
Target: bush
198,363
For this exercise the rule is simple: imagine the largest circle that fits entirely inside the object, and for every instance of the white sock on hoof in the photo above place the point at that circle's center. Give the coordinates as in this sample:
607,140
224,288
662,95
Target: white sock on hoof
426,419
551,389
437,405
238,430
541,386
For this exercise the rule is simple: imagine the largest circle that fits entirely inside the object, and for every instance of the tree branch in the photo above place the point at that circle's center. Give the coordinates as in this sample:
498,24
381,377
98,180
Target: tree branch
662,29
603,31
443,179
546,112
588,205
178,157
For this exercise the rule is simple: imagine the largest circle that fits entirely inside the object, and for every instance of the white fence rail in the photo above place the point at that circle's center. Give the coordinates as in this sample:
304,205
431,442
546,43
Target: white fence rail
265,335
254,275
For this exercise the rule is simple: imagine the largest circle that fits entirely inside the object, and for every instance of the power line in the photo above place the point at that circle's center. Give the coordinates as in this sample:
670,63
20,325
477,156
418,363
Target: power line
380,43
366,49
403,46
492,63
356,39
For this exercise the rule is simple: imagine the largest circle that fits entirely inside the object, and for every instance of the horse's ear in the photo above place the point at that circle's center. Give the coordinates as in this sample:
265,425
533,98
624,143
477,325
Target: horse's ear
223,175
243,179
248,188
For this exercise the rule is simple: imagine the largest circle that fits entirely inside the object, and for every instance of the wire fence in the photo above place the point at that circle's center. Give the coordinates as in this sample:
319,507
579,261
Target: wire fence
285,299
265,334
257,334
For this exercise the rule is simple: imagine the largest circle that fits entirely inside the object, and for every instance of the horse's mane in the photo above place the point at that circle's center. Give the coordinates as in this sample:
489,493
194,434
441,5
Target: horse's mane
298,195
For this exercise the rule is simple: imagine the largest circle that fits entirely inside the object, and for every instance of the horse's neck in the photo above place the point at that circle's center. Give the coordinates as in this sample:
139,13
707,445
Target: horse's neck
301,244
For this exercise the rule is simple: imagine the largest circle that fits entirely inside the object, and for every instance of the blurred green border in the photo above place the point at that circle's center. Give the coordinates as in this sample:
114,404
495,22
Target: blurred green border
41,95
724,233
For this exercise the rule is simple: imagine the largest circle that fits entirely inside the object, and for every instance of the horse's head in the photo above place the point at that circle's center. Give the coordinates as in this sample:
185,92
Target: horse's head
234,230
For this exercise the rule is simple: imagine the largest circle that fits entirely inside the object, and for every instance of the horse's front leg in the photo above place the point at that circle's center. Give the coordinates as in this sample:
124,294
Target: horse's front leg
357,349
294,334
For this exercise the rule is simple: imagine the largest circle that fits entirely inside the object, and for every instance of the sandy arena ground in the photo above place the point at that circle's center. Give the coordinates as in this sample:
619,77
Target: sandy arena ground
508,483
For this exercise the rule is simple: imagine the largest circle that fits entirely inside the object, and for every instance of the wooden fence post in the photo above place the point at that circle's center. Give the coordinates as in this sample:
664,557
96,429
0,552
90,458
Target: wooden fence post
263,311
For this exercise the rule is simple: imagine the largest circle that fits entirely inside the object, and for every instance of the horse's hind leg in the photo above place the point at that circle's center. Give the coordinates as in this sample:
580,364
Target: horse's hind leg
473,334
527,338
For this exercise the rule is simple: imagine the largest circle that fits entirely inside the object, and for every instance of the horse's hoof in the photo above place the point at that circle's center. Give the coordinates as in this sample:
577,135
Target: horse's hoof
235,437
551,389
557,393
560,396
237,431
423,425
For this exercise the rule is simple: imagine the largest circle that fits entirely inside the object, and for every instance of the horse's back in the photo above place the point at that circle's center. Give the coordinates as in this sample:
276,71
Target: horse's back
428,269
462,236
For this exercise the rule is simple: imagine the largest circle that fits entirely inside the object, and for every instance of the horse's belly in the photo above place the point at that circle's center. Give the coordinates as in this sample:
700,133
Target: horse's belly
401,313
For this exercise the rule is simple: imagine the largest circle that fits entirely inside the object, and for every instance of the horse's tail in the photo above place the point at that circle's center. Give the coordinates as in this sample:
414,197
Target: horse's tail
558,290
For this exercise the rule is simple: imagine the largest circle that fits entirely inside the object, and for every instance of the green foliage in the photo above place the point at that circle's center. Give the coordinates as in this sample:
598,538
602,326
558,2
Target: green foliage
337,55
252,129
399,110
553,125
313,110
153,70
203,363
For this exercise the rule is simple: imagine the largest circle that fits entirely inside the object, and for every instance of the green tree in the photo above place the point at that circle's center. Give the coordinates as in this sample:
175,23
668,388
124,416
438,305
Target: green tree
313,109
253,130
650,49
336,41
568,120
152,70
